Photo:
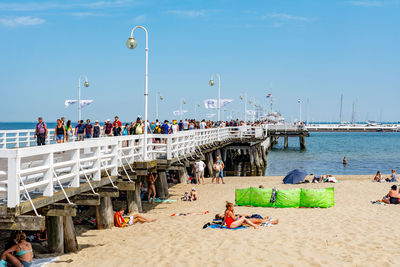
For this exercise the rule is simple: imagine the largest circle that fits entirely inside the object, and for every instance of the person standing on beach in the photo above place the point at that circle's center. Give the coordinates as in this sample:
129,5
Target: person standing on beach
221,166
199,166
41,132
80,131
151,191
88,129
59,133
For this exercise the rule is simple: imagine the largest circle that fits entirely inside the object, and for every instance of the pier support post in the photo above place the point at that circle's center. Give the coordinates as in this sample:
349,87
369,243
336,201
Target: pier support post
302,142
209,160
286,142
70,242
183,175
252,161
55,234
133,198
256,159
162,185
104,213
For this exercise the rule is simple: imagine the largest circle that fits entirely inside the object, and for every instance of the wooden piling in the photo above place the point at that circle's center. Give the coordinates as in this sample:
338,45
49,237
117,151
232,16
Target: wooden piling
286,142
162,185
70,242
183,175
302,142
104,214
55,234
133,199
209,164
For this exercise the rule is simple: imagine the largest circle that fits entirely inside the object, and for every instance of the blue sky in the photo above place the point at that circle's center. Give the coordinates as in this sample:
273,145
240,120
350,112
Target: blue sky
312,50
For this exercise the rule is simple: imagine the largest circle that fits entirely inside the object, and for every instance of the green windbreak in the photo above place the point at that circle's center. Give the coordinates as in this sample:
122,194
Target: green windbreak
288,198
322,198
261,197
242,196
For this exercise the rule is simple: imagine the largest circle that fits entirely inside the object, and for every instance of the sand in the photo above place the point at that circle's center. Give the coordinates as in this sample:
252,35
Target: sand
353,233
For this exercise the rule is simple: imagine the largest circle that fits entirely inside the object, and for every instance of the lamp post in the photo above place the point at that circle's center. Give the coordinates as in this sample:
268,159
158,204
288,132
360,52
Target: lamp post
219,92
131,43
183,102
158,97
244,97
299,101
86,84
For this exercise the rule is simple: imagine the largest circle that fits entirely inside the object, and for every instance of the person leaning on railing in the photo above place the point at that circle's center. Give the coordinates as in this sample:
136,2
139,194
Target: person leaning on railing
41,132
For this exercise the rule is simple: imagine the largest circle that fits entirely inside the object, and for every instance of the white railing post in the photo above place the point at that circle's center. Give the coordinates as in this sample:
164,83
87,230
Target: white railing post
114,159
76,168
13,190
48,175
169,147
97,164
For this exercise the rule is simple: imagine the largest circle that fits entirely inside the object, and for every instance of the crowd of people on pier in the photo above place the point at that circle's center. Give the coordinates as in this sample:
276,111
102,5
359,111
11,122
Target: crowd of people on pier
65,131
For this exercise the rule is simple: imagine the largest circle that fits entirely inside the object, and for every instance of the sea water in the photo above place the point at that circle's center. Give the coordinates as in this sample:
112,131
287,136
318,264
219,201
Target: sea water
366,153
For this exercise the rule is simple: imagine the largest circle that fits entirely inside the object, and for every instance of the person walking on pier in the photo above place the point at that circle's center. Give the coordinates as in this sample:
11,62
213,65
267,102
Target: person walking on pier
69,132
107,128
80,131
59,133
96,129
41,132
88,129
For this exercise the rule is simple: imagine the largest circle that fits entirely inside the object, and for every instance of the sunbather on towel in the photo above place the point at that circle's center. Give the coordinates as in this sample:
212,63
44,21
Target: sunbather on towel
232,221
254,218
392,197
120,221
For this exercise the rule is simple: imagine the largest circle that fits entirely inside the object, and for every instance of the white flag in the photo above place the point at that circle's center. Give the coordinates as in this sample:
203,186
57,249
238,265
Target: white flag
210,115
251,112
179,112
84,103
213,103
69,102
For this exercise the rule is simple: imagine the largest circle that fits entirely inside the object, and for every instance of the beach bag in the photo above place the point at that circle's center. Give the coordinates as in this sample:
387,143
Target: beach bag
288,198
317,198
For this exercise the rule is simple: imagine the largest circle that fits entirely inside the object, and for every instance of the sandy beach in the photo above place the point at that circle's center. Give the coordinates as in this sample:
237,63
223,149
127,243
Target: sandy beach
353,233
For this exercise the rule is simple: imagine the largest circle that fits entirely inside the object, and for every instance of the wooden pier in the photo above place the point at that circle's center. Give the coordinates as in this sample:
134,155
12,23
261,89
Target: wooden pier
42,186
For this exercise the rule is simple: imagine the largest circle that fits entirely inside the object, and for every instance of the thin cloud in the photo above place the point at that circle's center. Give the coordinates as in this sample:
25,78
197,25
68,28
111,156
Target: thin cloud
39,6
188,13
21,21
86,14
140,19
367,3
286,17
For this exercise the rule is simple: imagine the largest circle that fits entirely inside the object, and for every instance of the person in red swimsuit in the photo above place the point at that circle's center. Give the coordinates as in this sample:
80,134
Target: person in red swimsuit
232,221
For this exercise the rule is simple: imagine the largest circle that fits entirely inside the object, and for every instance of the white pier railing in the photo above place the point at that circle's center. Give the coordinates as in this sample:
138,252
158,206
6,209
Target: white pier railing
30,171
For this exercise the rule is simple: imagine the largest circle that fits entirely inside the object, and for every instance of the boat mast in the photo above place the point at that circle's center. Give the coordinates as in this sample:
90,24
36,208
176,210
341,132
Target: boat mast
341,107
353,115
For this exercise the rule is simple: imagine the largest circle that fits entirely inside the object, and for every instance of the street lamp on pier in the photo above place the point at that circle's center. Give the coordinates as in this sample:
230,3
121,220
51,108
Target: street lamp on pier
183,102
219,92
244,97
86,84
299,101
158,97
131,43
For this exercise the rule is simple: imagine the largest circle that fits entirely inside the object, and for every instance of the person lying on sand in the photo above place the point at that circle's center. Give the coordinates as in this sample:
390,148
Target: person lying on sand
233,221
120,221
254,218
392,197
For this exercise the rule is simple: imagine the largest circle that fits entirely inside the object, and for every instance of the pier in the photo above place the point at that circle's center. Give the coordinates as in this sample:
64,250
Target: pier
353,128
41,186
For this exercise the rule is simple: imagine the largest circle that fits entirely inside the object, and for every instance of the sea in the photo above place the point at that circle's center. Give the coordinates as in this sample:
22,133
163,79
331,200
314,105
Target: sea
366,152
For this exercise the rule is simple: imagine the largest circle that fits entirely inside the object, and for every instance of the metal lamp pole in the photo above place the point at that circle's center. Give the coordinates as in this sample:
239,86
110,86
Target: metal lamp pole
183,102
131,43
86,84
245,105
219,92
195,110
158,97
299,101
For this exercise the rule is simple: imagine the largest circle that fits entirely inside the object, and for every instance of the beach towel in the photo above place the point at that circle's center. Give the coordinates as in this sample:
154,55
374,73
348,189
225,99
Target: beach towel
190,213
158,200
216,226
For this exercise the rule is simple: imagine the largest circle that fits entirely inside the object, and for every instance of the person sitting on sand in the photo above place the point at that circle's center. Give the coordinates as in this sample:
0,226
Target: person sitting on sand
120,221
185,197
392,197
393,177
23,254
232,221
193,195
378,177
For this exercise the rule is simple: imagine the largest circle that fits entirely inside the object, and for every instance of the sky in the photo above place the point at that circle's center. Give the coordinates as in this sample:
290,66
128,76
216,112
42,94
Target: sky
308,50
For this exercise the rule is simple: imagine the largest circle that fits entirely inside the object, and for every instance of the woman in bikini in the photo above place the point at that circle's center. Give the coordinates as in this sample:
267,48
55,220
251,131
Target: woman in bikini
234,222
23,253
392,197
152,187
